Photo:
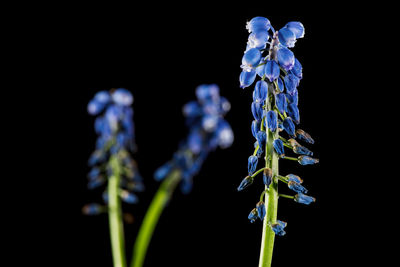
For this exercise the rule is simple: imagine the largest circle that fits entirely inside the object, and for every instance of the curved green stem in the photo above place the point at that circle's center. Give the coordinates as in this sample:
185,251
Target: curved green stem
271,197
115,214
159,202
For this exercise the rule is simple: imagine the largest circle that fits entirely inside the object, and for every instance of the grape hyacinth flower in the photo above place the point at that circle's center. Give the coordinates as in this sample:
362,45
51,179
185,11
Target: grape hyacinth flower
112,166
207,131
275,111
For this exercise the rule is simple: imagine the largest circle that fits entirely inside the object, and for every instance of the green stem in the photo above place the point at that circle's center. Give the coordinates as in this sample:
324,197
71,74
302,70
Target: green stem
257,172
115,214
271,197
159,202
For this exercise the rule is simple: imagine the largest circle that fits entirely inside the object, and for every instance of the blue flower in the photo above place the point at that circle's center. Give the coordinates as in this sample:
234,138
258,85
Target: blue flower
261,91
129,197
260,210
253,215
92,209
302,135
192,109
261,137
279,148
291,83
293,97
258,40
293,112
280,102
225,134
303,199
248,180
297,28
289,127
267,177
298,188
285,58
306,160
286,37
271,120
122,97
163,171
281,86
294,178
260,69
252,164
257,110
207,93
297,69
271,70
258,24
255,127
247,78
278,227
251,57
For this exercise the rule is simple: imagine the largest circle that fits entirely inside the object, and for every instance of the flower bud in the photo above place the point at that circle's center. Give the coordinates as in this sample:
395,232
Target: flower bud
163,171
251,57
128,197
278,227
261,91
261,210
298,188
286,37
294,178
258,24
293,112
303,199
297,69
267,177
289,127
253,215
302,135
281,86
252,164
293,98
255,127
257,110
285,58
92,209
297,28
280,102
247,78
271,120
258,40
306,160
301,150
271,70
122,97
279,148
261,137
248,180
291,83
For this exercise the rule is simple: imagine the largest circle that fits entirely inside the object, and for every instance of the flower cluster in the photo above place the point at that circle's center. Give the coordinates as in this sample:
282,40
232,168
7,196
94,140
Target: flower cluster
274,107
115,129
207,131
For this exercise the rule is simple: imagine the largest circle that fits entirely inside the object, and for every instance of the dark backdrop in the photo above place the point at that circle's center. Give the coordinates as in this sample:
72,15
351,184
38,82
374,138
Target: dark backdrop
161,58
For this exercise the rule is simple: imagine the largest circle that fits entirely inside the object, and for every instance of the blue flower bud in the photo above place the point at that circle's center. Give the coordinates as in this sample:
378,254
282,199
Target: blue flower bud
278,227
207,92
289,127
280,102
92,209
261,91
209,123
279,148
192,109
281,86
163,171
95,107
255,127
297,28
195,142
112,117
261,137
291,83
260,70
285,58
294,178
271,70
252,57
248,180
293,112
102,97
293,98
252,164
301,150
257,110
302,135
225,134
258,24
298,188
96,182
286,37
247,78
261,210
306,160
129,197
303,199
94,173
253,215
186,186
225,105
271,120
267,177
297,69
122,97
258,40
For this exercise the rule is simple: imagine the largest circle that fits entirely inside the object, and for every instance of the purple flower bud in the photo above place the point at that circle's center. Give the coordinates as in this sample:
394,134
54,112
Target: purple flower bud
267,177
261,91
285,58
271,70
279,148
303,199
271,120
306,160
298,188
278,227
247,78
286,37
258,24
297,28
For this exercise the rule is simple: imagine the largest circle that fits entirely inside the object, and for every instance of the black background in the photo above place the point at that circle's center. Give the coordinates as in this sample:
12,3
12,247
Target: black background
161,57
